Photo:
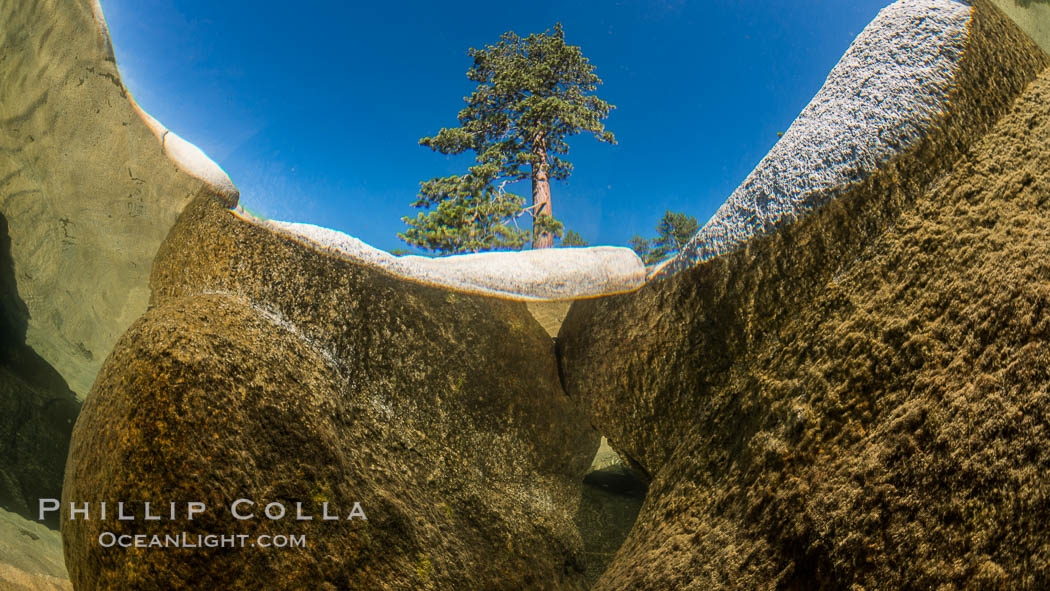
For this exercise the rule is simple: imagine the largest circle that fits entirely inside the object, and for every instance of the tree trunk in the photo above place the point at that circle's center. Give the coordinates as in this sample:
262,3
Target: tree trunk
541,194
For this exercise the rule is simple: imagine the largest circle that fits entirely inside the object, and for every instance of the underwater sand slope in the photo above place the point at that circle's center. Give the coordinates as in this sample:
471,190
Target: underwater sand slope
85,185
37,408
30,556
1032,16
858,400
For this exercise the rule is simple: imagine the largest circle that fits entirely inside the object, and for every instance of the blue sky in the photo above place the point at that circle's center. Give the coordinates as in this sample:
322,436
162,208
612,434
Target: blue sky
315,108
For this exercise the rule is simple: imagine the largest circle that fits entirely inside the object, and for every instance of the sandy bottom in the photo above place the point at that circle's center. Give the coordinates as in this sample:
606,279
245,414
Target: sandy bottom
30,556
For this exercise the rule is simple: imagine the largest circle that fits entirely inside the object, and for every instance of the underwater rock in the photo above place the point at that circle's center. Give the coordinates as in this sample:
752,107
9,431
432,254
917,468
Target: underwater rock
270,370
89,184
858,400
541,274
888,92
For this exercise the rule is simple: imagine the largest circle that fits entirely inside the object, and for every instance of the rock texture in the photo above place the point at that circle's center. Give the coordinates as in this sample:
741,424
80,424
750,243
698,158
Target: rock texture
885,95
87,188
267,369
550,314
859,400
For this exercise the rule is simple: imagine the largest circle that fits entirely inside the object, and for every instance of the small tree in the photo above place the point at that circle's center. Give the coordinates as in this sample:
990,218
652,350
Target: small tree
641,247
573,238
673,232
468,216
532,94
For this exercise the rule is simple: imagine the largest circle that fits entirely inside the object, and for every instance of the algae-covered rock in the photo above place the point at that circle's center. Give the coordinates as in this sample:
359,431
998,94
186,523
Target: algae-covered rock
859,400
271,371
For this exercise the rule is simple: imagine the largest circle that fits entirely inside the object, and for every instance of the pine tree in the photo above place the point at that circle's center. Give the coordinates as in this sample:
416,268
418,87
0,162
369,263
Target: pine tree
573,238
642,248
532,94
673,232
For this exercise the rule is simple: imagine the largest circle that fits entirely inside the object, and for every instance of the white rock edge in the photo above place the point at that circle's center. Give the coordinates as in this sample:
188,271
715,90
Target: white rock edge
186,156
890,87
529,275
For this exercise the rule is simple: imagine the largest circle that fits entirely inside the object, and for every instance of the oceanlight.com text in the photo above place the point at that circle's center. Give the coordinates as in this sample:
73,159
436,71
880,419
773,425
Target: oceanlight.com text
207,541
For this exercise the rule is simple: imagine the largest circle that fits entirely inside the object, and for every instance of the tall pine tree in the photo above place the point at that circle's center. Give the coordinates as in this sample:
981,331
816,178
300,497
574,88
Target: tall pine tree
532,94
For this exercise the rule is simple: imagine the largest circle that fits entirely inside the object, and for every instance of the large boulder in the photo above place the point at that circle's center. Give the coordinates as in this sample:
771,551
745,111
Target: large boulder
857,400
270,370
